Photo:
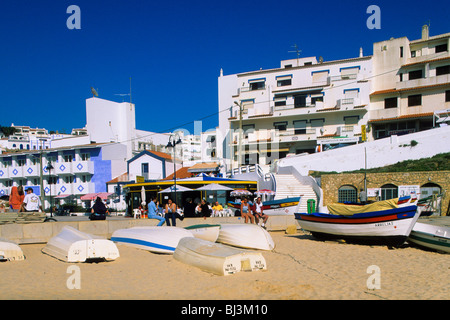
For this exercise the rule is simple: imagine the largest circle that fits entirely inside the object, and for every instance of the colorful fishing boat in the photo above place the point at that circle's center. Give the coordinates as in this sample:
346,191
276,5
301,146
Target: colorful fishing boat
389,221
286,206
432,235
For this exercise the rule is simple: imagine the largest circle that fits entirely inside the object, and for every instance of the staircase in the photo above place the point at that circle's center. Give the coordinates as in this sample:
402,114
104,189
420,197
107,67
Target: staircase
289,186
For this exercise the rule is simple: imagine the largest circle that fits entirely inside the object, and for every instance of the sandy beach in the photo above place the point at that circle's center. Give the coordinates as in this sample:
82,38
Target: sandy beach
299,267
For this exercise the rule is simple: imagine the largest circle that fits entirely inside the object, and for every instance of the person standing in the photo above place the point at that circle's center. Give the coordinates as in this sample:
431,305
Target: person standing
31,202
153,212
16,198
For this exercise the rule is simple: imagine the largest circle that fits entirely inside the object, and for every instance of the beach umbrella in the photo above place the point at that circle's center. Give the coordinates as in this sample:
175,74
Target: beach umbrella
240,192
143,198
266,192
214,187
178,189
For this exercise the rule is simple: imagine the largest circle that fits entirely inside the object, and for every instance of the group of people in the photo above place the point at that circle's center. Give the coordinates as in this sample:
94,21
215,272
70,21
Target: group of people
253,212
21,202
170,212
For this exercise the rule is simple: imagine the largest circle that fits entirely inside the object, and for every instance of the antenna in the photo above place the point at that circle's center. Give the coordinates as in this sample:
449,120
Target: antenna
94,92
297,51
130,91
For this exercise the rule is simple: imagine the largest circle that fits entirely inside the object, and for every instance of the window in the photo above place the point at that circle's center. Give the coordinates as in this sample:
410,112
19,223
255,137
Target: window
67,158
414,100
280,126
442,70
68,179
401,77
280,101
284,81
21,162
401,52
320,76
390,103
257,85
416,74
85,156
447,96
300,101
389,191
441,48
247,128
300,127
413,54
347,194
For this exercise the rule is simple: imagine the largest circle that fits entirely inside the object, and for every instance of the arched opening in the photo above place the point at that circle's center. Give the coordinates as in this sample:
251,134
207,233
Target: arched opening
347,193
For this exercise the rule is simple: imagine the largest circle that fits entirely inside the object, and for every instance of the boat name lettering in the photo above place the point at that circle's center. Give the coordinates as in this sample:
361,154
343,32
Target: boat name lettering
383,224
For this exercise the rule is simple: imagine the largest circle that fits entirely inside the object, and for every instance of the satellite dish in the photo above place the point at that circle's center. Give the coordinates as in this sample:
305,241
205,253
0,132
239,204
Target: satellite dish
320,59
94,92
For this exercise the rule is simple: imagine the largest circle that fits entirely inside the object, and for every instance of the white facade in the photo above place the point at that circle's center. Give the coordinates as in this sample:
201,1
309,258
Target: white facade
289,110
151,165
412,81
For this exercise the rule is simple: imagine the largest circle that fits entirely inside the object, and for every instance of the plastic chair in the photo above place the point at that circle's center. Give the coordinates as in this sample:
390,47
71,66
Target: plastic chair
137,212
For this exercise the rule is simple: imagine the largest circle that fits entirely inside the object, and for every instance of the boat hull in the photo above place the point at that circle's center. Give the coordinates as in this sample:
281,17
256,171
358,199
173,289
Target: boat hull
388,226
208,232
431,236
217,258
249,236
154,239
281,207
10,251
72,245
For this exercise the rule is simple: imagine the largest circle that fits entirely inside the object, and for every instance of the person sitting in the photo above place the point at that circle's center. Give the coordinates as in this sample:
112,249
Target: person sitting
99,210
153,212
217,209
204,209
259,214
246,211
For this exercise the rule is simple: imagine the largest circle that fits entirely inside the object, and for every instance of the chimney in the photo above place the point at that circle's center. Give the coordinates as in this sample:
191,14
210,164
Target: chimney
360,52
425,32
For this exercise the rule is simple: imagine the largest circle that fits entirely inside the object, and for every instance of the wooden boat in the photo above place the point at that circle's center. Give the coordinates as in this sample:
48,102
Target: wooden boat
154,239
286,206
248,236
217,258
387,222
72,245
10,251
432,236
209,232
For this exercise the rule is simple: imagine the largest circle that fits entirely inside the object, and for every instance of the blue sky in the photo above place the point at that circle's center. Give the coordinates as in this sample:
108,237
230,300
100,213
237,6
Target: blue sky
173,51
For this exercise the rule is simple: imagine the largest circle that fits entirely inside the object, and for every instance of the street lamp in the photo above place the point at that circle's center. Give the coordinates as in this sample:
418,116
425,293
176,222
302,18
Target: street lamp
172,145
49,168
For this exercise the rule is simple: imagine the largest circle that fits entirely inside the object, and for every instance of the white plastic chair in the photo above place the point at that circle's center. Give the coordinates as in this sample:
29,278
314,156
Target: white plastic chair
137,212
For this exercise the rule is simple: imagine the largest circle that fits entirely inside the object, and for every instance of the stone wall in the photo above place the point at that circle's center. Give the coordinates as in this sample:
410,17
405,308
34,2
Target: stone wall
330,183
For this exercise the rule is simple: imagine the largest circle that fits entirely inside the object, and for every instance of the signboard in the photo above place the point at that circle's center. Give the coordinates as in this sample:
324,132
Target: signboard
363,132
140,179
411,190
373,192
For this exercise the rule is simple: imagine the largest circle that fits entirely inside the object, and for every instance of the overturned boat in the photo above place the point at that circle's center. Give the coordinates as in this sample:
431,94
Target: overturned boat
432,235
389,221
217,258
154,239
10,251
248,236
209,232
72,245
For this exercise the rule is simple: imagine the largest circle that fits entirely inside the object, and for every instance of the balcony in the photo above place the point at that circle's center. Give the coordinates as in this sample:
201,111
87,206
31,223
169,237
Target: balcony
422,82
348,103
64,168
297,134
83,167
31,171
4,174
15,172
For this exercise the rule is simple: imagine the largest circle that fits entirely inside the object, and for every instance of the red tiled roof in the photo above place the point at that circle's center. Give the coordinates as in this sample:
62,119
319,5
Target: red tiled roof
181,174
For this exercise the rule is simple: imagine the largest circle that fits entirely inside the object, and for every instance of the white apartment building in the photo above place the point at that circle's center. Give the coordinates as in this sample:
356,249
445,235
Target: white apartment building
299,107
66,172
411,84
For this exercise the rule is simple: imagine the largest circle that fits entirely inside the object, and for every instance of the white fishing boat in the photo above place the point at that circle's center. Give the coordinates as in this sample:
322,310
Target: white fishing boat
209,232
154,239
10,251
432,236
217,258
246,235
72,245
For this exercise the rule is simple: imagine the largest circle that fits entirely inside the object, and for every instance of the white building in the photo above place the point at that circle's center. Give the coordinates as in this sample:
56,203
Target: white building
66,172
411,84
292,109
